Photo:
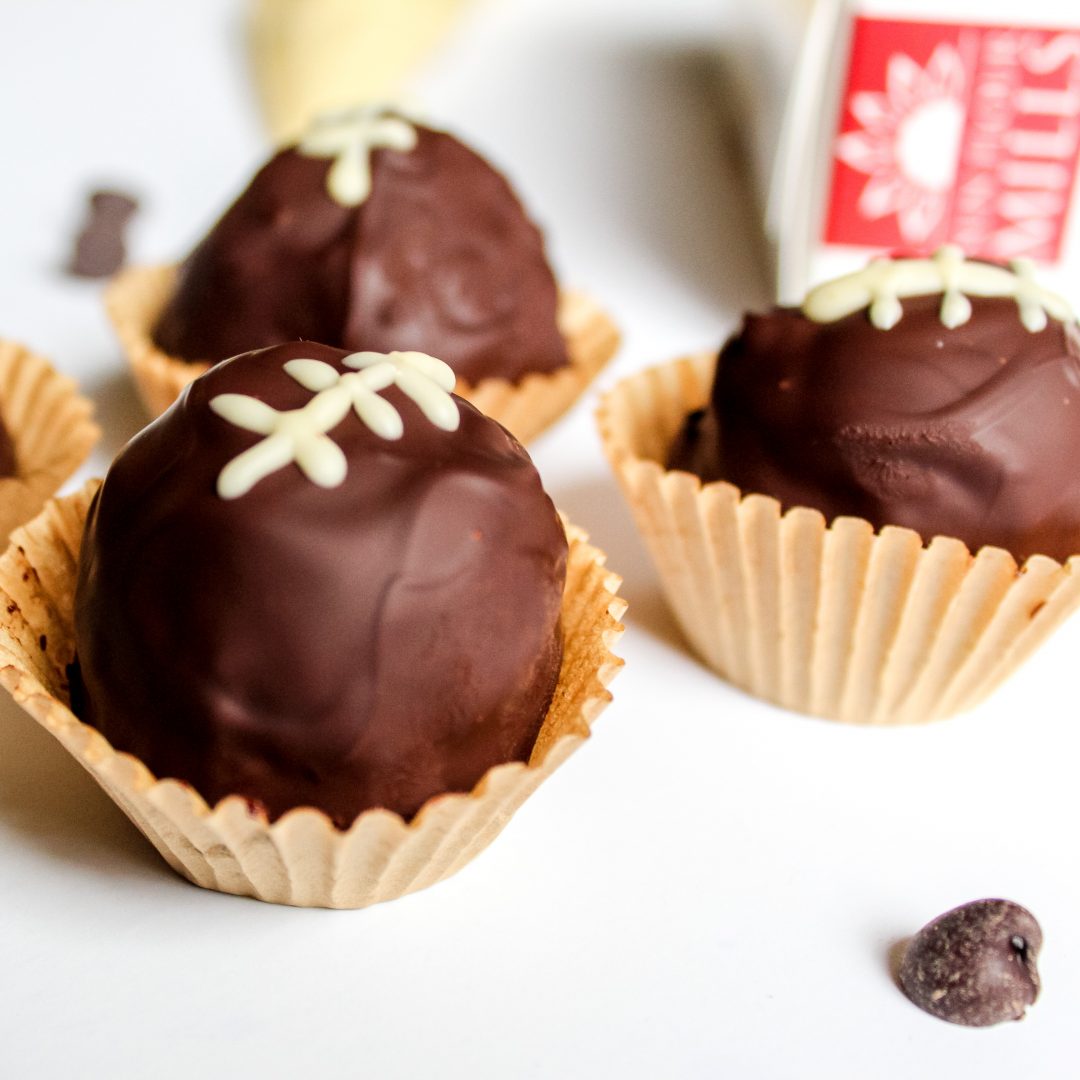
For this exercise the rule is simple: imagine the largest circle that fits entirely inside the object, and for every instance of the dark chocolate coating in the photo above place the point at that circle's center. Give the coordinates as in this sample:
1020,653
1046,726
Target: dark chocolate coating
8,464
972,432
975,965
373,644
440,258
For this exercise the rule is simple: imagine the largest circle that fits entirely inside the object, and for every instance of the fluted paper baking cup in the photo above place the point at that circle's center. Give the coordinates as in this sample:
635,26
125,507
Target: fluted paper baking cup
833,620
301,859
50,427
136,297
312,56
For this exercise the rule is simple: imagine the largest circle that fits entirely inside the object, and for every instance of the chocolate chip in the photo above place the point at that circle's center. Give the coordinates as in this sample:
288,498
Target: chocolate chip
974,965
99,247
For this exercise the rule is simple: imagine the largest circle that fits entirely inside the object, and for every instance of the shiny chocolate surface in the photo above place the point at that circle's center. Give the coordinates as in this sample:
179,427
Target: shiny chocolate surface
440,258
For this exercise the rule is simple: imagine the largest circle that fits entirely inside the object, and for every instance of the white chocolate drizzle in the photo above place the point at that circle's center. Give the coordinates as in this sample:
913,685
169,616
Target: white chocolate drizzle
300,435
349,137
885,282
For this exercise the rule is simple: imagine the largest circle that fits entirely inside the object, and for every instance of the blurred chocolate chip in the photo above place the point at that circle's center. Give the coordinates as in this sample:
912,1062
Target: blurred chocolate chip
99,247
974,965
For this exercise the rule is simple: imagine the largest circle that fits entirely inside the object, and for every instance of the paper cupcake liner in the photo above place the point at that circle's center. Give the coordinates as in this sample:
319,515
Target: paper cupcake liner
136,297
301,859
835,621
50,428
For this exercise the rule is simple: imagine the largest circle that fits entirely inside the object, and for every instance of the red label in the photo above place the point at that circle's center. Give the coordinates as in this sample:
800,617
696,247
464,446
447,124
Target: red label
957,134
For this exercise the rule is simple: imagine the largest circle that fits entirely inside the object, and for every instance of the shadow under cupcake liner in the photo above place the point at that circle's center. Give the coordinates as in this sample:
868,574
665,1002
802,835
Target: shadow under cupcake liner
833,620
300,859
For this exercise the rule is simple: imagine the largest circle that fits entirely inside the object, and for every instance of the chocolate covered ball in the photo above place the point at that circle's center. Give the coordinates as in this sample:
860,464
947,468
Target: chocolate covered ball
938,394
975,965
100,249
321,580
375,233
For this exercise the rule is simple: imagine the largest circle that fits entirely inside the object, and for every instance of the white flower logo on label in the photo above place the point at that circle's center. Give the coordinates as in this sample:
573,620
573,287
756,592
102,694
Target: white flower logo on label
300,435
909,145
349,138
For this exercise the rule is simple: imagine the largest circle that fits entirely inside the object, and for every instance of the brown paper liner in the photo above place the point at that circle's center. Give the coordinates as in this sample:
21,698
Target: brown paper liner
50,428
311,56
301,859
834,621
136,297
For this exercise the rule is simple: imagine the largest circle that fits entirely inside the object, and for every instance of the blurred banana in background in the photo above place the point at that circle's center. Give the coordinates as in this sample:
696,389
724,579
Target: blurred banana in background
312,55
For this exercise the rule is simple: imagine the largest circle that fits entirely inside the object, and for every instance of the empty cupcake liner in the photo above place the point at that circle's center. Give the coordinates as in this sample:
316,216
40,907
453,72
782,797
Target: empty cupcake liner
833,620
50,427
301,859
136,297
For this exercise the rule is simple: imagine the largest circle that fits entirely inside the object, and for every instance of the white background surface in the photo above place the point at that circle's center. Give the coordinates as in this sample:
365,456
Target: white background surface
711,886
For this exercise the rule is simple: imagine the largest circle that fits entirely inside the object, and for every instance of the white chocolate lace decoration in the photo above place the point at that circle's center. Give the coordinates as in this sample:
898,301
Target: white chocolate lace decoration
885,282
349,137
300,435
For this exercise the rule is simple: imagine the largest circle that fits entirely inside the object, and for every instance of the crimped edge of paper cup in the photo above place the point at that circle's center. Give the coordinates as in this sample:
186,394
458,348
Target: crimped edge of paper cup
832,619
301,859
136,297
51,428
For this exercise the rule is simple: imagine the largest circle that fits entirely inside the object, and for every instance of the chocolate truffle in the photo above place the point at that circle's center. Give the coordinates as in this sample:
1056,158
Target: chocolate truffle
937,394
975,965
300,586
7,452
375,233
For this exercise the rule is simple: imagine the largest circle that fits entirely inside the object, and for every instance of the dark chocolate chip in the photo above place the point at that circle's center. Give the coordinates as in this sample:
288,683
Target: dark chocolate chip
974,965
441,257
99,247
